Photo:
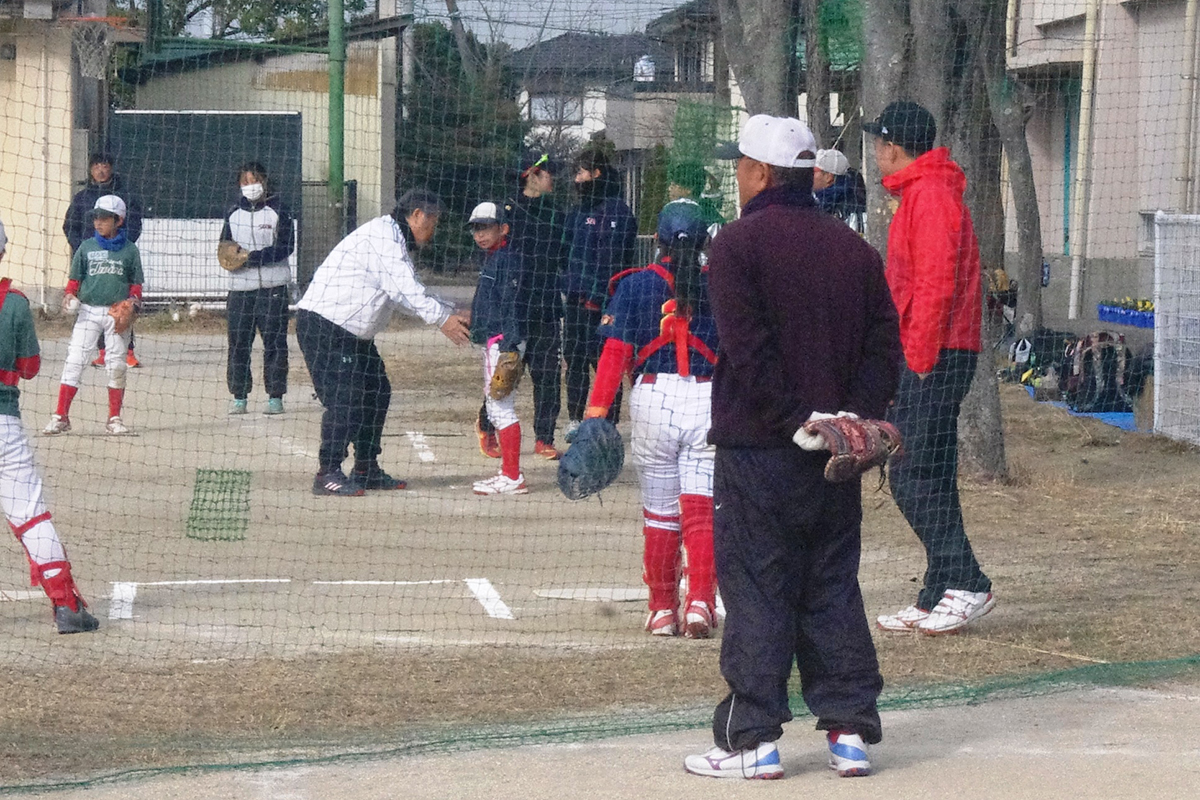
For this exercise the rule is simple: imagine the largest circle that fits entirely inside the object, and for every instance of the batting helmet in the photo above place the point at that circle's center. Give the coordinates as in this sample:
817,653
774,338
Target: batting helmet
682,224
593,461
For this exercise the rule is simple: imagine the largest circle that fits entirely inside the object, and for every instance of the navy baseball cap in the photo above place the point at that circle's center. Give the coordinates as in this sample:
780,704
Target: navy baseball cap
682,222
907,124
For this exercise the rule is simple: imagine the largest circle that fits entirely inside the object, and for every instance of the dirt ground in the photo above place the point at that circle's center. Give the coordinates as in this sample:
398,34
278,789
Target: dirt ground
1092,545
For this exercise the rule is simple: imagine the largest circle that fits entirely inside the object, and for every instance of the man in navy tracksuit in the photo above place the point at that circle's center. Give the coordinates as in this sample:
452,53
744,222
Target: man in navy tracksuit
807,327
602,239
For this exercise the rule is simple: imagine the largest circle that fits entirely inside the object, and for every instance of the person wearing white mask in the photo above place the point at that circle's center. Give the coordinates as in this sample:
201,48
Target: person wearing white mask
258,299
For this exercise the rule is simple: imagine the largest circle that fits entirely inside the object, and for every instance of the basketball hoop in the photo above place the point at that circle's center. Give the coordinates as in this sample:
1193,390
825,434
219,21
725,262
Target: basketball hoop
93,48
93,38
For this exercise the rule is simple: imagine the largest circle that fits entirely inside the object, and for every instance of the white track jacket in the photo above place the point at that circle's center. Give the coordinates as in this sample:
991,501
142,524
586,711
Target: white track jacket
367,277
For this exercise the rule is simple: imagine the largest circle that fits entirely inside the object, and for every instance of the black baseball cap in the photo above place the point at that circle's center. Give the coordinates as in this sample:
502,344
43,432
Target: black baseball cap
907,124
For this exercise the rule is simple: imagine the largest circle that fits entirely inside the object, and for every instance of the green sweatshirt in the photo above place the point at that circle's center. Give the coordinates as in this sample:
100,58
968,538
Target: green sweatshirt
105,276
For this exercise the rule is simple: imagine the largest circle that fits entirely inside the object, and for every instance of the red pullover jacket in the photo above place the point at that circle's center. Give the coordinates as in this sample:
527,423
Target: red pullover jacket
933,261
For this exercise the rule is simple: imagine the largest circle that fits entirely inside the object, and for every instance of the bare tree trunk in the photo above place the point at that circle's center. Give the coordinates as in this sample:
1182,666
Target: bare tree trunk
1005,95
933,54
760,44
886,32
816,74
975,143
465,54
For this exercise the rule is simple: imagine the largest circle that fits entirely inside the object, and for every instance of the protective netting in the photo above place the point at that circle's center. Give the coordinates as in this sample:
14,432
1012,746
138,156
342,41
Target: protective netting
478,606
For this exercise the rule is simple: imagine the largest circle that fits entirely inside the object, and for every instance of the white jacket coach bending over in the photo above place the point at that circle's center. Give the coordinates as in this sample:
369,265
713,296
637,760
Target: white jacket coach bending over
366,278
351,299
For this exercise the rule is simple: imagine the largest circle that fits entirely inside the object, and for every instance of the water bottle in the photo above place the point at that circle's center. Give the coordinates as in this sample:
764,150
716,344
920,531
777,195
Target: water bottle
1045,273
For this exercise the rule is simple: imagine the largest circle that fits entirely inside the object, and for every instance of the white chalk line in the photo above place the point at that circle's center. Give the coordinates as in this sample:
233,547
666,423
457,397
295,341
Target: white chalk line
489,598
19,594
124,593
419,443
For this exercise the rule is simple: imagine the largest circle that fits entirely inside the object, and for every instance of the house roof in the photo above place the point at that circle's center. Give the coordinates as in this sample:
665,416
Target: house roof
591,55
697,13
188,54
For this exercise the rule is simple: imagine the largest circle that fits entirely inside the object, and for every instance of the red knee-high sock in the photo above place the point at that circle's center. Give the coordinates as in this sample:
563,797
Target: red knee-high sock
697,512
115,398
660,562
510,450
65,395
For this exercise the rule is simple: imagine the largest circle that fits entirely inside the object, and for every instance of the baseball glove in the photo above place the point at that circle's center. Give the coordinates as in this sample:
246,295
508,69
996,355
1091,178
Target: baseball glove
855,445
506,376
122,314
231,255
593,461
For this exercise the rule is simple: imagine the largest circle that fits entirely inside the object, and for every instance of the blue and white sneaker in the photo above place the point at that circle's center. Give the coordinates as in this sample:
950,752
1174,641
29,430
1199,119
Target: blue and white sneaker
760,762
848,754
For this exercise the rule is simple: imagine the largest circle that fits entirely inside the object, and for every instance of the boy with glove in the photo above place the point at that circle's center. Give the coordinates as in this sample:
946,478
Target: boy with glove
496,324
105,290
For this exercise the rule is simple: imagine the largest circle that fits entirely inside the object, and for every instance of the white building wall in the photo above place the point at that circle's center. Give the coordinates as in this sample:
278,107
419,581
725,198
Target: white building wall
35,139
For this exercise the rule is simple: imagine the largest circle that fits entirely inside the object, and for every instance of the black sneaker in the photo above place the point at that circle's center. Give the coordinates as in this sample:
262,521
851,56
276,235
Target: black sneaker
336,483
69,621
376,478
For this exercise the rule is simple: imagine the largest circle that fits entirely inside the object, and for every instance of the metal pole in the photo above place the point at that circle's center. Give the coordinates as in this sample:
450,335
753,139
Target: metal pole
1083,177
1187,86
337,105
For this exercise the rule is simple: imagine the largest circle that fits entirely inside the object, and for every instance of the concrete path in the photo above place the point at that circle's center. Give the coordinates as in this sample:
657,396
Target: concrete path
1090,743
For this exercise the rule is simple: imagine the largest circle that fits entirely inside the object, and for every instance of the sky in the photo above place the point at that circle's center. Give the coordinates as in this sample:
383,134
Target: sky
523,22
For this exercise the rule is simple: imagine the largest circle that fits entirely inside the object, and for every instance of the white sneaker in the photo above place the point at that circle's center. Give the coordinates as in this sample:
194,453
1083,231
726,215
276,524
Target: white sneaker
956,610
848,754
663,622
760,762
904,621
116,427
58,424
501,484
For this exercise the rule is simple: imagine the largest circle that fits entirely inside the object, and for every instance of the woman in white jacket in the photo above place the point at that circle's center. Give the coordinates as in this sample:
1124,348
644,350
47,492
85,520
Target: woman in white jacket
258,297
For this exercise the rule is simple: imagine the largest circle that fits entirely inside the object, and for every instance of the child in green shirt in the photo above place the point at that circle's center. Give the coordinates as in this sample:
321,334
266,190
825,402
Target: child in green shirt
105,287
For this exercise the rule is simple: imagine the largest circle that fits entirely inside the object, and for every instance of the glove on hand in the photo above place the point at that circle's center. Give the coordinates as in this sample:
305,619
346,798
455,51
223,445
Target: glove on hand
506,375
123,314
855,445
231,255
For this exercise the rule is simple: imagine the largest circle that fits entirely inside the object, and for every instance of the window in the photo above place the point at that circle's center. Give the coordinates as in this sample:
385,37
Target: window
690,61
556,109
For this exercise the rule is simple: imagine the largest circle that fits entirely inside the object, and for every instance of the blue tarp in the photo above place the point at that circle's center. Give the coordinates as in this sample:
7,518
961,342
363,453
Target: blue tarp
1118,419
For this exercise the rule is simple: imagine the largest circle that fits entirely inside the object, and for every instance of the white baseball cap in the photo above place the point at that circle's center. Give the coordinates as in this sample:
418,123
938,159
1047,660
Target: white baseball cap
486,213
110,204
778,141
832,161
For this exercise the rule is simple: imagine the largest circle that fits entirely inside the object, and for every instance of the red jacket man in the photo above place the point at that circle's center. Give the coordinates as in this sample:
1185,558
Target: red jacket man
933,260
933,273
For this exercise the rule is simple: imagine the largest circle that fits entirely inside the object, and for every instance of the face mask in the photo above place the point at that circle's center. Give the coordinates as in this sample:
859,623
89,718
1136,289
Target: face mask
252,191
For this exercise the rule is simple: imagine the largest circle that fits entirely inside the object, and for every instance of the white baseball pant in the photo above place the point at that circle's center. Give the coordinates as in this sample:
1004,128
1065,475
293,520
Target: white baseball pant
91,322
21,495
670,449
502,413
